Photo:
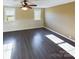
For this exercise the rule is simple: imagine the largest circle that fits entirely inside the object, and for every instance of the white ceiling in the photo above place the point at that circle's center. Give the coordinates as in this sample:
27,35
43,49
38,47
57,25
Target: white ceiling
40,3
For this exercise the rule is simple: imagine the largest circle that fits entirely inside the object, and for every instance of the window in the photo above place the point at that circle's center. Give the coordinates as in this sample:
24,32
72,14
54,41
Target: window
37,14
9,14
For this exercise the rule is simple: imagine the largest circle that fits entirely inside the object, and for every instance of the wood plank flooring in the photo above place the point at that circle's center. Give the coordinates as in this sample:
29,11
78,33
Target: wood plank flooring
32,44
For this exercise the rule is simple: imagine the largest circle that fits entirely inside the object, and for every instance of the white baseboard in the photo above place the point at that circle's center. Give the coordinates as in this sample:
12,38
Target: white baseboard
42,27
23,29
60,34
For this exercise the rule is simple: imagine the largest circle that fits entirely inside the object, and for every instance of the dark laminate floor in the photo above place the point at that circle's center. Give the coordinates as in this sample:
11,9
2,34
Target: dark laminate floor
32,44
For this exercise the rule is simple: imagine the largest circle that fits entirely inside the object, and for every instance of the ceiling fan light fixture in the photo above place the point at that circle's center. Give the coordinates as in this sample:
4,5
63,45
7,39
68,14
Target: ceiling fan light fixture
24,8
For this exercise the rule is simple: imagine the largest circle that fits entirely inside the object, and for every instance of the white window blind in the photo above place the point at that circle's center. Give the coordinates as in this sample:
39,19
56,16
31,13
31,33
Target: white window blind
37,14
9,14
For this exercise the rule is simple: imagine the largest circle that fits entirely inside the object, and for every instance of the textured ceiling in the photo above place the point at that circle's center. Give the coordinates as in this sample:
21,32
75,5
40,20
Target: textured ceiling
40,3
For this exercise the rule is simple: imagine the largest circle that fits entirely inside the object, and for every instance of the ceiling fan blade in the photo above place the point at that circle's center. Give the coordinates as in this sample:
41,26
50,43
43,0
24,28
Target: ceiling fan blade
25,0
29,7
32,5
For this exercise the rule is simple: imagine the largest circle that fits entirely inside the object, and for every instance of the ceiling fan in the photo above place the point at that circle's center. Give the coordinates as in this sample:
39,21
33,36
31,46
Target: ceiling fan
26,5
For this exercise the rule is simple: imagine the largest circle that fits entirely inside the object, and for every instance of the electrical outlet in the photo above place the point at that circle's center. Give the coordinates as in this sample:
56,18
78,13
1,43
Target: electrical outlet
70,37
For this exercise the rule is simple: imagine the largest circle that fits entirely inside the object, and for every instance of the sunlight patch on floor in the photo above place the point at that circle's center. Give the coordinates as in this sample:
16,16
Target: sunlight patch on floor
67,47
7,48
64,45
54,39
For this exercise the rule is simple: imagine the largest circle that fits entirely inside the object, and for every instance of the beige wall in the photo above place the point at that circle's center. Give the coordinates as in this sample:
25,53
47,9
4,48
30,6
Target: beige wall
23,20
25,15
61,19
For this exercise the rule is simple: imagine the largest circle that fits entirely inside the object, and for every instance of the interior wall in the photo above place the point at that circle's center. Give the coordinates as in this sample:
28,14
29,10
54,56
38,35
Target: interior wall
25,15
61,19
23,20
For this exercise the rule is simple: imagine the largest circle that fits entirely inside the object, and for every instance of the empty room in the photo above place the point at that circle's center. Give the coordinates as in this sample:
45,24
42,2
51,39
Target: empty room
39,29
